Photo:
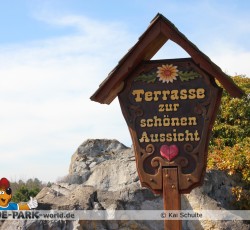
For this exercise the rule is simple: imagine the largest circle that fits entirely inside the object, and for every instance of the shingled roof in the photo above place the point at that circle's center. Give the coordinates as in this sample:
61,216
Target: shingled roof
157,34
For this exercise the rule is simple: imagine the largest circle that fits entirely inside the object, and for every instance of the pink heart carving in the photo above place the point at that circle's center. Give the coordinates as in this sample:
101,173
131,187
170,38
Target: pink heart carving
169,152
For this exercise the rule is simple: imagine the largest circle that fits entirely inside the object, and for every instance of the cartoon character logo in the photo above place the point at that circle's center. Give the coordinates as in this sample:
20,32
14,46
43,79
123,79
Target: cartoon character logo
6,195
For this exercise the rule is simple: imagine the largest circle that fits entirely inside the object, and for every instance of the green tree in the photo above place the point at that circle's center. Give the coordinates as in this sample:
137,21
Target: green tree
230,143
23,194
22,191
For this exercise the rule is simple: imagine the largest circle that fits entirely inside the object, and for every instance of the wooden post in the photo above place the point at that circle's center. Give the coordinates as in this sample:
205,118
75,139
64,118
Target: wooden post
171,196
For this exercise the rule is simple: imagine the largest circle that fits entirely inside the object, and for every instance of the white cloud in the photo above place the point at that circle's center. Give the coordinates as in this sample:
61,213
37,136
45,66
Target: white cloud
45,88
232,58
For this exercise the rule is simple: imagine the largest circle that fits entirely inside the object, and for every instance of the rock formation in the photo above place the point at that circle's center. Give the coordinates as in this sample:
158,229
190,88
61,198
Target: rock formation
102,176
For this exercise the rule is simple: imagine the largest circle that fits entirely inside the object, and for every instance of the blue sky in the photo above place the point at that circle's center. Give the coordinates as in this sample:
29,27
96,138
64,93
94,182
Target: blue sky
55,53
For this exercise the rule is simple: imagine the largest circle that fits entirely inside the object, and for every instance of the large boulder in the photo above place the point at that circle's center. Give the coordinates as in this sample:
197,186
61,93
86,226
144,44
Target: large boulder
91,153
102,176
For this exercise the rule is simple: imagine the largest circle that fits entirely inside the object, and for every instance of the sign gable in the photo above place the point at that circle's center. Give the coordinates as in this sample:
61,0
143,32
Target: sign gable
158,33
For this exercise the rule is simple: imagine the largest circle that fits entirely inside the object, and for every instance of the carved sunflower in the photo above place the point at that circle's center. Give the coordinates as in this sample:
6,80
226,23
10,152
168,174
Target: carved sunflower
167,73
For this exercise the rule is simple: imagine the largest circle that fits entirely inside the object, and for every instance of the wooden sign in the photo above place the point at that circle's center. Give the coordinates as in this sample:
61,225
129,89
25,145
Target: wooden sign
170,106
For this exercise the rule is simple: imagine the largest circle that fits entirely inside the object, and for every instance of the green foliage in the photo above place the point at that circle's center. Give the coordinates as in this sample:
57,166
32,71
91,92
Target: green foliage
148,78
230,142
22,191
49,184
188,75
232,124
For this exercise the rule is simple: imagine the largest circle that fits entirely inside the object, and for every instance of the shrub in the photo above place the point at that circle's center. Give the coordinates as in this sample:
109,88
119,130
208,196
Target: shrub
22,191
229,148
